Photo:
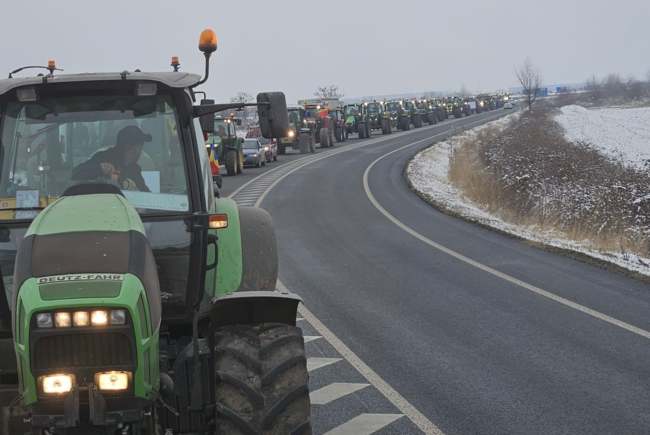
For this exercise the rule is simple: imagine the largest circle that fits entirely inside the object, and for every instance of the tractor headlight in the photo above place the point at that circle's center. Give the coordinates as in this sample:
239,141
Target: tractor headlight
292,133
118,317
62,320
44,320
112,381
81,318
99,318
56,384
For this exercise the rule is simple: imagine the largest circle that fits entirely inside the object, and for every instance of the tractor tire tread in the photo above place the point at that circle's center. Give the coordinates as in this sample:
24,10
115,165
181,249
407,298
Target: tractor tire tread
271,401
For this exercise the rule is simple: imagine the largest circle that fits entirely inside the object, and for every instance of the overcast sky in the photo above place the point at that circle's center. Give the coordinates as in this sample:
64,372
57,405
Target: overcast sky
365,47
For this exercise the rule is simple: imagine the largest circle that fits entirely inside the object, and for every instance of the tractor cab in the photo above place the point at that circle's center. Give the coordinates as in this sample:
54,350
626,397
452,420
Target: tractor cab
224,142
124,278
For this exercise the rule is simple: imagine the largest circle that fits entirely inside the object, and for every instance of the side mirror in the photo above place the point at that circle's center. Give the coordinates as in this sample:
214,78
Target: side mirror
207,121
238,121
273,114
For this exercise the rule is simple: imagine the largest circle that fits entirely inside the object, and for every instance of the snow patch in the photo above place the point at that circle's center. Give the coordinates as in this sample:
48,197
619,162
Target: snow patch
428,174
622,134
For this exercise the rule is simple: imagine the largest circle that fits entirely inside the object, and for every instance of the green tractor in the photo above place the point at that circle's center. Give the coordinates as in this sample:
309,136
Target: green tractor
135,301
300,134
228,145
429,114
353,116
373,117
399,116
415,113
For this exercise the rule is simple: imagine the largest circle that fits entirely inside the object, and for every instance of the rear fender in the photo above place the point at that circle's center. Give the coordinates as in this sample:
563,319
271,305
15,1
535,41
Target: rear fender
252,307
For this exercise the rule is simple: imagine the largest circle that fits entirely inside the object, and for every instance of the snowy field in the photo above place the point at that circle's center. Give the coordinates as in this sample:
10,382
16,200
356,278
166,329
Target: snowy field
620,133
428,171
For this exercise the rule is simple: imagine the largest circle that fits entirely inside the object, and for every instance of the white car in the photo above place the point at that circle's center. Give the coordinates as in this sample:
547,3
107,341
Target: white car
508,105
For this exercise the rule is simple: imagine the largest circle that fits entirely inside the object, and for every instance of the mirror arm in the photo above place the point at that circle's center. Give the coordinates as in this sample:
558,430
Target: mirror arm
206,109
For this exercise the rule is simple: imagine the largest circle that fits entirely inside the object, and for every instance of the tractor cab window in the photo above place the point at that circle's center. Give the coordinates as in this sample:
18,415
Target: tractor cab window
294,117
351,111
393,107
52,144
373,109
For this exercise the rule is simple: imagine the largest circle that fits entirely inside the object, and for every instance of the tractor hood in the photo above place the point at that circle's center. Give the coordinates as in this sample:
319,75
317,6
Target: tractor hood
87,238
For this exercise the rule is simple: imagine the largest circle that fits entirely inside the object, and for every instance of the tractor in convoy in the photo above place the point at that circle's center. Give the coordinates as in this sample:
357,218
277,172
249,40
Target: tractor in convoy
399,116
429,111
416,114
226,143
374,117
321,112
352,114
300,134
134,300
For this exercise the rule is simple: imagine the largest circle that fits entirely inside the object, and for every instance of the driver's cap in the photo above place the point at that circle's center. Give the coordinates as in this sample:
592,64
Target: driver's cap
132,135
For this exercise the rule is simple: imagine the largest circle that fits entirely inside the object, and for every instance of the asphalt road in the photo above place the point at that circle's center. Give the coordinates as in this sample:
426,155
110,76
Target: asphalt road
476,331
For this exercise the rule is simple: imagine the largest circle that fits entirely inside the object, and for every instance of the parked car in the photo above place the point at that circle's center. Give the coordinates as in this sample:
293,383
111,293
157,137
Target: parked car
253,153
508,105
270,147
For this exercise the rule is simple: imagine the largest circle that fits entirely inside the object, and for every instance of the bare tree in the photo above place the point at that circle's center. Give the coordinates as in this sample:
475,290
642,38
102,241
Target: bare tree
531,80
328,91
594,87
242,97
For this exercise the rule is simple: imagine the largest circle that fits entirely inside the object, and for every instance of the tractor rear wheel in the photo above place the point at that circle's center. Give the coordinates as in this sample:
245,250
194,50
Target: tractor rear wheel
259,250
240,166
303,144
324,137
385,126
261,380
362,130
231,162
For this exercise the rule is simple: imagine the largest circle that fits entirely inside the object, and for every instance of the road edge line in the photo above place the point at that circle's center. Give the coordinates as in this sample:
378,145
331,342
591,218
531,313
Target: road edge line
511,279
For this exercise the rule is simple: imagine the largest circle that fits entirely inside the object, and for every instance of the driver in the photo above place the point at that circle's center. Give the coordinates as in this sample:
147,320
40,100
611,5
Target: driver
119,163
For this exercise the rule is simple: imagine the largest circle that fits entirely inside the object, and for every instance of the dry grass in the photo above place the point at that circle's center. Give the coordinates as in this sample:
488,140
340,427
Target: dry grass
529,174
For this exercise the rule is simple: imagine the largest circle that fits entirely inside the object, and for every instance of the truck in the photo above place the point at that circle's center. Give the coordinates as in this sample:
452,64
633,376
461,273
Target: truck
134,301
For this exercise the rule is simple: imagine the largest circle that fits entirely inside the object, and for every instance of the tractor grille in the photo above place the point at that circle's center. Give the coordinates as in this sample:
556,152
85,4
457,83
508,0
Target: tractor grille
99,349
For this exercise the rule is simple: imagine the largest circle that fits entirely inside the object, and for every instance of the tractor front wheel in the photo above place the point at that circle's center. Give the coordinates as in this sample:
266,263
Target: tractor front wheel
261,380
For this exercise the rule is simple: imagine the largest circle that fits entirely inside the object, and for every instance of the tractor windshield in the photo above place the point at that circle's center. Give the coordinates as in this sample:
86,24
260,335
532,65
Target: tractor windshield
52,144
393,106
294,117
373,109
351,110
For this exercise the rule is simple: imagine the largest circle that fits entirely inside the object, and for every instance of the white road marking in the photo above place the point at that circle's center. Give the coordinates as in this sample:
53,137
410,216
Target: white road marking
422,422
552,296
317,363
364,424
309,338
333,392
